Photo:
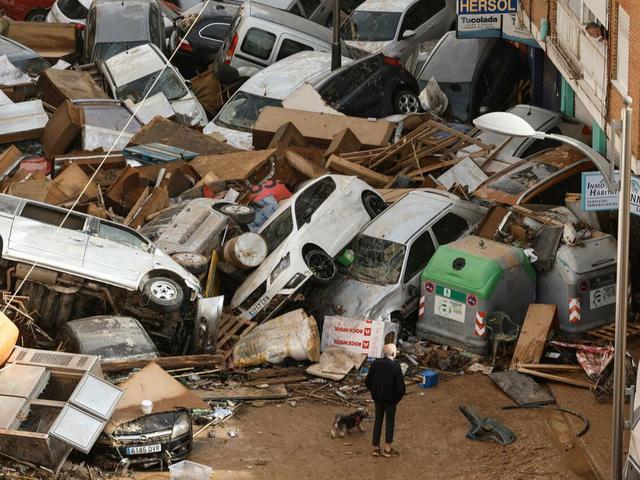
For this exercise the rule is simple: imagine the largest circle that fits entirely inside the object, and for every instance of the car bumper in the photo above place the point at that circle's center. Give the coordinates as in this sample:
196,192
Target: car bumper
171,451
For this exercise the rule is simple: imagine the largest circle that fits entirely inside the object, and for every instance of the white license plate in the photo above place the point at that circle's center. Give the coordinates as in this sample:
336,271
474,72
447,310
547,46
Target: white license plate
259,305
445,307
600,297
142,449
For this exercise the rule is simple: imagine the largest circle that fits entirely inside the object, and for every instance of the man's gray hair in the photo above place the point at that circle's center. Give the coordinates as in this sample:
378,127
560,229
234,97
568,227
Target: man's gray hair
390,350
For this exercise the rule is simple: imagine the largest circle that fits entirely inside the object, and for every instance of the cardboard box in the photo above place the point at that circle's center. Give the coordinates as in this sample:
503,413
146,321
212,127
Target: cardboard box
358,336
320,128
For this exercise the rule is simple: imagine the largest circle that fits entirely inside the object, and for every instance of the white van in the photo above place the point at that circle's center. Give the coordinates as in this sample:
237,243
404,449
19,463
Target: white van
261,35
267,88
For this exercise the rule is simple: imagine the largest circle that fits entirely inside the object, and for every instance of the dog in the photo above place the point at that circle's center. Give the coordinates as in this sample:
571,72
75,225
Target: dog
344,423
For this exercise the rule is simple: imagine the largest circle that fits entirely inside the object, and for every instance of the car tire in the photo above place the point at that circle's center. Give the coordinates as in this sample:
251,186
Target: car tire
192,262
406,101
321,265
162,294
240,214
373,204
39,15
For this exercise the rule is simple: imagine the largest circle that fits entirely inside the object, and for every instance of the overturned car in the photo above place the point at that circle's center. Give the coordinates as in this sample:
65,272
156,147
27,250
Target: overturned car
70,264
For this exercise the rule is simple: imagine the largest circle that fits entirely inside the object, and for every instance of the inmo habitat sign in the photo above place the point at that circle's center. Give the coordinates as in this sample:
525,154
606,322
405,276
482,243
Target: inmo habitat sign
597,197
487,7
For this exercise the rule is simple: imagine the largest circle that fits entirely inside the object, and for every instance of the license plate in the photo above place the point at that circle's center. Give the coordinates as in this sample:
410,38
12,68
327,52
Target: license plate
259,305
451,309
142,449
600,297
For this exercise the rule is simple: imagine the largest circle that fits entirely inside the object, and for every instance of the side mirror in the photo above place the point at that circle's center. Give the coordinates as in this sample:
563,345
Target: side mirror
408,34
188,83
483,109
413,291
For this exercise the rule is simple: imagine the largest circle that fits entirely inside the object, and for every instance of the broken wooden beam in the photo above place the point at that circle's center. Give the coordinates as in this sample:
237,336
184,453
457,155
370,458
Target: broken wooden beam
182,361
340,165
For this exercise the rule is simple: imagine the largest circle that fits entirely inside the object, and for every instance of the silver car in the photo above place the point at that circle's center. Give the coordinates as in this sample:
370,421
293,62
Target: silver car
94,249
383,281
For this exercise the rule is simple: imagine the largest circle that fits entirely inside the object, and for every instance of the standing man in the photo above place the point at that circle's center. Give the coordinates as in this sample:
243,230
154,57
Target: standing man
386,384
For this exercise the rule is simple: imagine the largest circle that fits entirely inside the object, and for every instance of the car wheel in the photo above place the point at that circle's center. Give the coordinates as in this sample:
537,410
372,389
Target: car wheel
240,214
406,101
36,16
193,262
373,204
163,294
321,265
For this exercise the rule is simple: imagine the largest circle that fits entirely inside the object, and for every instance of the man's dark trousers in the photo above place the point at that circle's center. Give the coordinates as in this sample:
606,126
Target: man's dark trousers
384,411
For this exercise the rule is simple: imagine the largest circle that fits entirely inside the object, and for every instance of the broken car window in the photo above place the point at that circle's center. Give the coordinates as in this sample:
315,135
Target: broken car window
346,80
449,228
310,6
258,43
53,217
376,260
278,230
169,84
371,26
419,13
72,9
21,58
122,236
311,199
523,178
241,112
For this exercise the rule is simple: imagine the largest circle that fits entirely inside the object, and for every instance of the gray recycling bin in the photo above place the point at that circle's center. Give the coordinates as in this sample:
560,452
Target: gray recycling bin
582,283
465,281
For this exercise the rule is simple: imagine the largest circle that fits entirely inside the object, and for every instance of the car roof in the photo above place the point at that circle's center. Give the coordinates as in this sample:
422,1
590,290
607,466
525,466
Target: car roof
384,5
282,78
289,21
279,4
146,58
407,216
117,21
467,53
213,9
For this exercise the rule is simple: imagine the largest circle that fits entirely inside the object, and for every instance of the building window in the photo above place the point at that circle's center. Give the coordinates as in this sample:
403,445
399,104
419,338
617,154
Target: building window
622,63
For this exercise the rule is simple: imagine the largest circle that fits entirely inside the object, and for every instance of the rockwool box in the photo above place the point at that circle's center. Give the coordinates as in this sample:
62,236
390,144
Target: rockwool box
358,336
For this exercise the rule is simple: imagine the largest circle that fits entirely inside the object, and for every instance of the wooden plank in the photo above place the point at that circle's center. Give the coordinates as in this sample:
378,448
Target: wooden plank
301,165
273,392
275,372
533,335
155,202
238,166
204,360
432,168
557,378
232,331
136,206
283,380
339,165
570,447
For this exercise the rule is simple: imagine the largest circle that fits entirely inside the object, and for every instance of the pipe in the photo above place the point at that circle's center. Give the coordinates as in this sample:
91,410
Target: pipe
335,47
622,303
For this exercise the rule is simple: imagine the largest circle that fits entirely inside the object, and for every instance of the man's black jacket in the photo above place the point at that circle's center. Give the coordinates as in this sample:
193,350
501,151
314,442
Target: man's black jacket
385,381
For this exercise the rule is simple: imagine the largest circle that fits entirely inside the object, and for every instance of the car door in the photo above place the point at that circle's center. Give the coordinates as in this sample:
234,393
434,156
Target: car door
290,45
350,91
420,250
39,235
427,19
211,35
117,254
255,50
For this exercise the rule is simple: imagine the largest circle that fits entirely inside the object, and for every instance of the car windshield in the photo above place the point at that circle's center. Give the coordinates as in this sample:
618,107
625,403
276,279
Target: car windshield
523,178
72,9
376,260
169,84
23,59
371,26
241,112
278,230
104,51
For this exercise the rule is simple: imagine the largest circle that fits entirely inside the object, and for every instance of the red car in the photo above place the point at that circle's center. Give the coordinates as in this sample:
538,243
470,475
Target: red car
26,10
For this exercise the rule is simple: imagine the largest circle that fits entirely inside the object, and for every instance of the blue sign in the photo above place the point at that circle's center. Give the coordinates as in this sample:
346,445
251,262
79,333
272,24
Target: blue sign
487,7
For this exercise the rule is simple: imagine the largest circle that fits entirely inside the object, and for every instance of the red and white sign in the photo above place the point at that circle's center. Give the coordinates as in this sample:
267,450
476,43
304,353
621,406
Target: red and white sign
574,310
481,327
357,336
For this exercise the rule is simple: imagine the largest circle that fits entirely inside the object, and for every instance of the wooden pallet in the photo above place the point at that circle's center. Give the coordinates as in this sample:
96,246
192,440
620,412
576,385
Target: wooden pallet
232,327
608,332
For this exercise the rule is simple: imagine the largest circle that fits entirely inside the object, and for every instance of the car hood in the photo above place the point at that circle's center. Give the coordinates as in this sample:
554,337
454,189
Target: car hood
371,47
236,138
351,298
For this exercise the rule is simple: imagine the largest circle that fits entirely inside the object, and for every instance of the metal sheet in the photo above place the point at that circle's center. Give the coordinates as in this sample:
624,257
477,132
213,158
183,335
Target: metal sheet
10,413
95,396
521,388
26,381
77,428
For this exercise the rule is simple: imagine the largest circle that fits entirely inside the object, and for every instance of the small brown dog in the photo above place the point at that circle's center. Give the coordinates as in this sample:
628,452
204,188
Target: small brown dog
344,423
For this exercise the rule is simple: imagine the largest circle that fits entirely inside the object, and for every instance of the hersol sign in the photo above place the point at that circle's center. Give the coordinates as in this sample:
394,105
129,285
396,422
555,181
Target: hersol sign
487,7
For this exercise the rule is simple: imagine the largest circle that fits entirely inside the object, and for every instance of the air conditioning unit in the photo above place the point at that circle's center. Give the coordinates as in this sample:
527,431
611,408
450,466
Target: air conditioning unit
57,361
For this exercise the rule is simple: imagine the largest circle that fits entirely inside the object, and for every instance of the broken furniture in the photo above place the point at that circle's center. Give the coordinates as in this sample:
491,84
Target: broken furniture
464,282
52,402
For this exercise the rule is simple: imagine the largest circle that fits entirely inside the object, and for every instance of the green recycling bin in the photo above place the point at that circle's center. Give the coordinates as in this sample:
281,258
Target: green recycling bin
467,280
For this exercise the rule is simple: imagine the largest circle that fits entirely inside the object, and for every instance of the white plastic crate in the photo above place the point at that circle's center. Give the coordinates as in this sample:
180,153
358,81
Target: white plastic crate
186,470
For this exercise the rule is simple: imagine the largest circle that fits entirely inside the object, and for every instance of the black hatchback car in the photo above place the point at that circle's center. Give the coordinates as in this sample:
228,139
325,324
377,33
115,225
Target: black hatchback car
198,49
376,86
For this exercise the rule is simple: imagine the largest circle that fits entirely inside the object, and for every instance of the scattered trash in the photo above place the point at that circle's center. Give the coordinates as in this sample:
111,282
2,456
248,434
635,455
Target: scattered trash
486,429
